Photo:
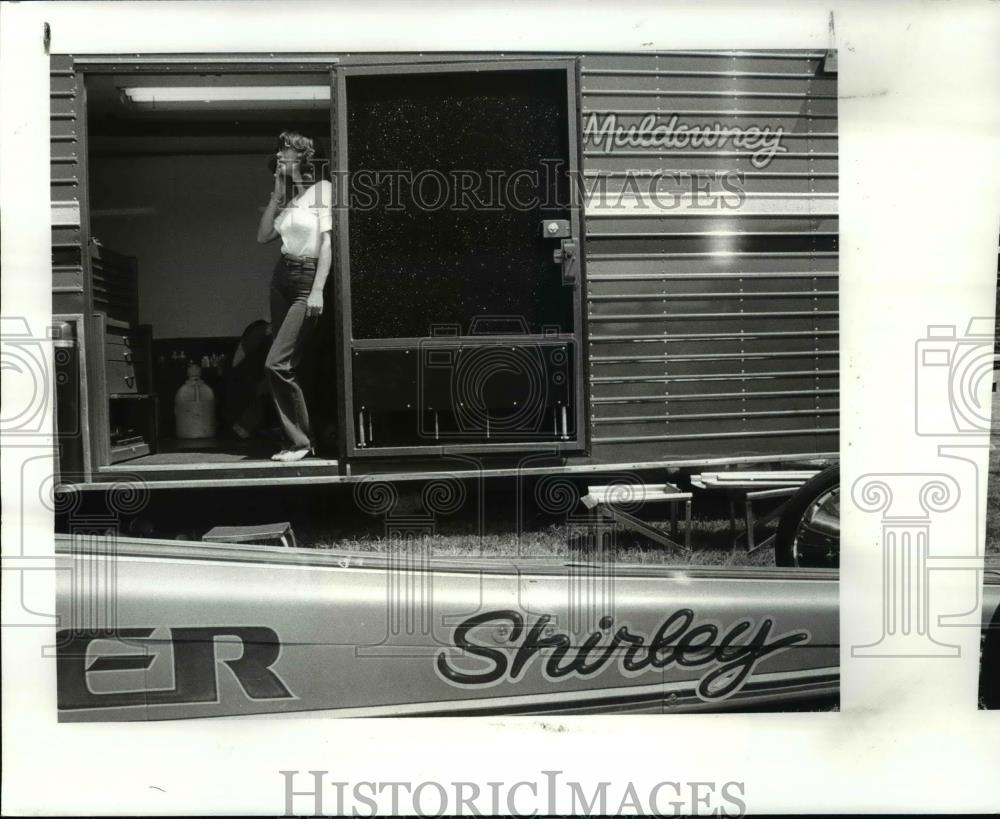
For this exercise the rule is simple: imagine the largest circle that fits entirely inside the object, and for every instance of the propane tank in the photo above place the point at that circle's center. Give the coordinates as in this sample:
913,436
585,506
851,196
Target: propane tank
194,407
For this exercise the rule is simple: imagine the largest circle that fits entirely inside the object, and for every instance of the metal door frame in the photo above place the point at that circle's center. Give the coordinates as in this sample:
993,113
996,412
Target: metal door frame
346,344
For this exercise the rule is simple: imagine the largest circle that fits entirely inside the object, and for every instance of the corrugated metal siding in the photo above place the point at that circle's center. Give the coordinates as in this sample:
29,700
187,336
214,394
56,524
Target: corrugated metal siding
713,332
66,173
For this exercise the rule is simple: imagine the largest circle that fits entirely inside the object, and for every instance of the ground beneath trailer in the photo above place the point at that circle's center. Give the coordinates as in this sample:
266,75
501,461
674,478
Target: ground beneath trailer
711,542
501,521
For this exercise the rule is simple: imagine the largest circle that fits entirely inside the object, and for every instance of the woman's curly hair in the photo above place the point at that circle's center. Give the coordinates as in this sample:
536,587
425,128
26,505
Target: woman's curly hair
312,163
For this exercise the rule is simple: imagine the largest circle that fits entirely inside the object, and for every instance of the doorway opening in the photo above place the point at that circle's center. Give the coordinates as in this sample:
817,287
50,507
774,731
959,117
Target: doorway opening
450,326
178,177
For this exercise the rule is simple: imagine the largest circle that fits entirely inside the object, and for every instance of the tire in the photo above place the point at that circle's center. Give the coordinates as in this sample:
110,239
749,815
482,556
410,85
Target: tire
809,530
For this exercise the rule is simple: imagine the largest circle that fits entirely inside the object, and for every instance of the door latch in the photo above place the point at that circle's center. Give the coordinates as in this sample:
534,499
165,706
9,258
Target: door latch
566,255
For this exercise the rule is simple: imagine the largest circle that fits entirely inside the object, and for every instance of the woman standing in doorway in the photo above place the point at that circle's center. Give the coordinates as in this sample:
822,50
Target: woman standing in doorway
300,211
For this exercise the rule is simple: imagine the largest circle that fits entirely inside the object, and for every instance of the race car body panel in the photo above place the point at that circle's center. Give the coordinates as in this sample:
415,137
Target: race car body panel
172,630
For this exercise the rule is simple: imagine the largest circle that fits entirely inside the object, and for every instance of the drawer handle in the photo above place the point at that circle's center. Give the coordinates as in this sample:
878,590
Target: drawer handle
129,381
128,356
126,342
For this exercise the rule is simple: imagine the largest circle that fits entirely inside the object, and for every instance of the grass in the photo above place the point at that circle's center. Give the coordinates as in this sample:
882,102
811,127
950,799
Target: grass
710,540
504,523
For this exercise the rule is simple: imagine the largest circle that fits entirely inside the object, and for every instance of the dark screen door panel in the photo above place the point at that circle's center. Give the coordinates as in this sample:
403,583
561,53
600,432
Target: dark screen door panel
451,176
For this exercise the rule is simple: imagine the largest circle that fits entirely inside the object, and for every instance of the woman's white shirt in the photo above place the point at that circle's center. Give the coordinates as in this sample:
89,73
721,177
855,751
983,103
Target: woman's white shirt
307,217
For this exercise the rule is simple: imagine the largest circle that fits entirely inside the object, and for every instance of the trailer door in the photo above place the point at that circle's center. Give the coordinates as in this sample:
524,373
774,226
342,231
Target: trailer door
458,266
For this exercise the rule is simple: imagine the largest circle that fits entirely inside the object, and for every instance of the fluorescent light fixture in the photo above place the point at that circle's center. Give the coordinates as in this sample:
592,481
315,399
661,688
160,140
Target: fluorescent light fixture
197,96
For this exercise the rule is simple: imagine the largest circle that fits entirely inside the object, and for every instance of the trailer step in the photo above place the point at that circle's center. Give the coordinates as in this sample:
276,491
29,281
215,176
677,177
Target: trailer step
754,487
752,480
608,500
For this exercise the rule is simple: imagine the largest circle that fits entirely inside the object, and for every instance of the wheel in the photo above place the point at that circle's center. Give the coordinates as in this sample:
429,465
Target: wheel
809,530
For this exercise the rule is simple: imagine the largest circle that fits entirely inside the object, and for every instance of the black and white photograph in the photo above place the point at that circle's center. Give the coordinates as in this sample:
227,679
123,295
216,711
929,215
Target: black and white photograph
500,362
522,368
989,675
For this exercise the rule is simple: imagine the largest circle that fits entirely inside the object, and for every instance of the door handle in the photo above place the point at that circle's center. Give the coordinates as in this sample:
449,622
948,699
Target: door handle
566,255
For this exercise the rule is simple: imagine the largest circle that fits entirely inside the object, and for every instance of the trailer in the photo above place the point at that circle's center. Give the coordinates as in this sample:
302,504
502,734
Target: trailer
594,275
650,308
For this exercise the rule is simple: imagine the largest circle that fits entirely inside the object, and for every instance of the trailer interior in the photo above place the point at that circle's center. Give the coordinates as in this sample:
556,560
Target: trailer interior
176,188
457,327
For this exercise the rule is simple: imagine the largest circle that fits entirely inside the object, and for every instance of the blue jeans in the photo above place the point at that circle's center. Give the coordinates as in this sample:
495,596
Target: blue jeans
291,329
